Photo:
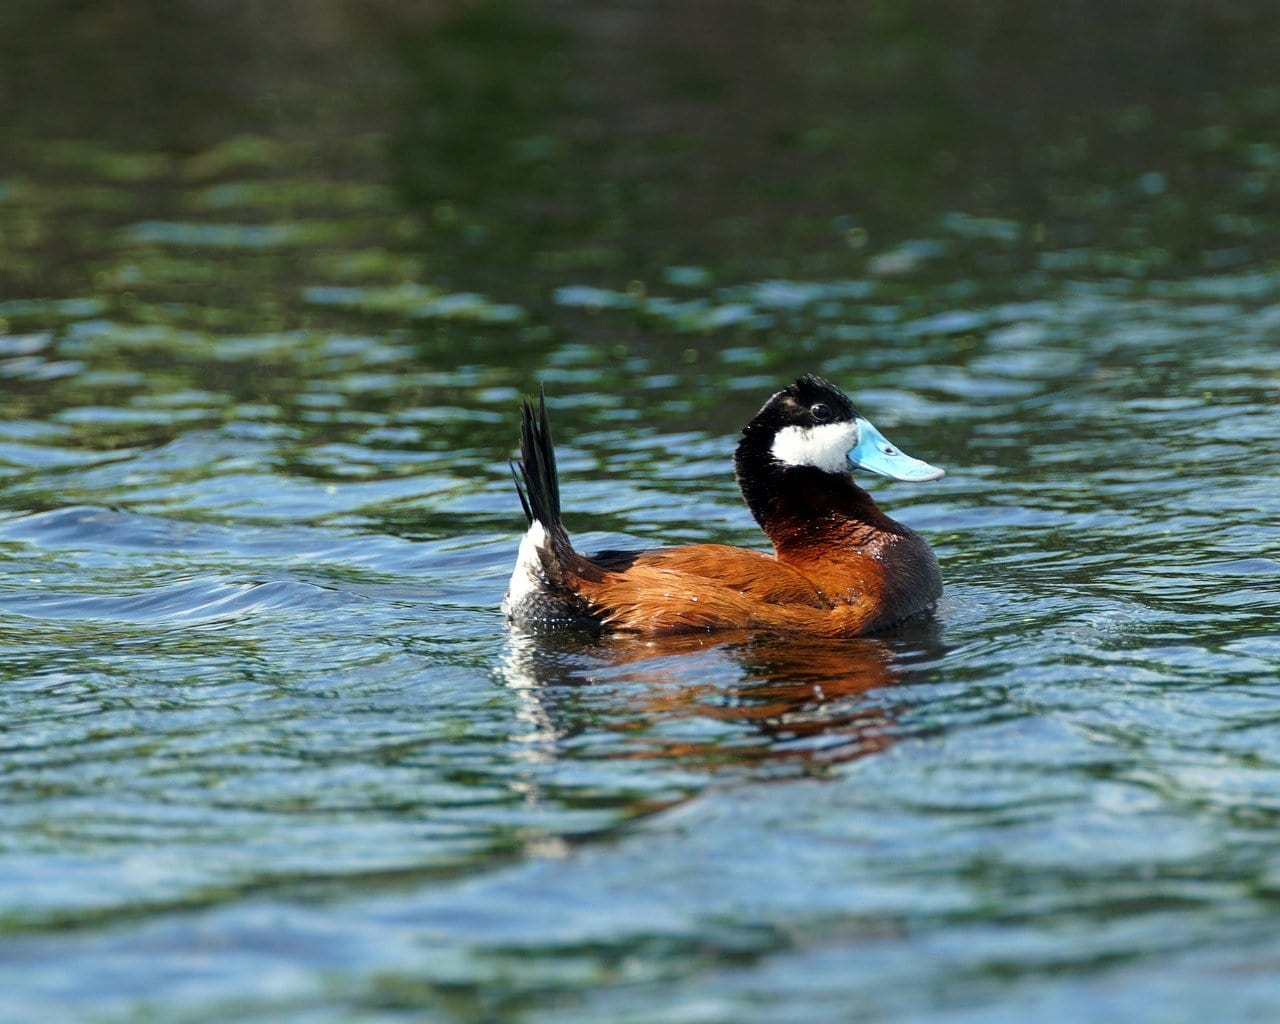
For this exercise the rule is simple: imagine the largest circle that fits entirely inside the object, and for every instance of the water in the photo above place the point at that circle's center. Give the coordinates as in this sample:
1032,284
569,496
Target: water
268,751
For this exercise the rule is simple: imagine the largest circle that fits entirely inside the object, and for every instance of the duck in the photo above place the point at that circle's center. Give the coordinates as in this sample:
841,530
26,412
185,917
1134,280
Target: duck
840,567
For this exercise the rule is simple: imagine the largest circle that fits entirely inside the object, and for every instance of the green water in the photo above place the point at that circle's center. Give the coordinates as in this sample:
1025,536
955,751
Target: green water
270,290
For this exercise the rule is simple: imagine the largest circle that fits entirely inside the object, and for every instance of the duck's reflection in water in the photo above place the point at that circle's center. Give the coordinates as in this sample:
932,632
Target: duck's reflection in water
711,702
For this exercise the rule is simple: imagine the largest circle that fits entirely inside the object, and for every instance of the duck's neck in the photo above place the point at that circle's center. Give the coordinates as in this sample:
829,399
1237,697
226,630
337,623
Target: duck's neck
830,529
808,509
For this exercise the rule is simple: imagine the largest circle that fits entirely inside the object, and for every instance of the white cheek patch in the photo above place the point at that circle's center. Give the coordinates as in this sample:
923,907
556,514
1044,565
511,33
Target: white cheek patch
825,447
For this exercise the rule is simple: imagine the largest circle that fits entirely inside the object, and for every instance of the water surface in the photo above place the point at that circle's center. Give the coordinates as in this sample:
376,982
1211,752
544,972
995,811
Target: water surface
267,750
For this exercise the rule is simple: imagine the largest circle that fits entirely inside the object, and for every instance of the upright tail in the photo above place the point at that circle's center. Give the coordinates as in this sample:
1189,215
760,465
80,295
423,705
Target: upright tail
537,481
541,590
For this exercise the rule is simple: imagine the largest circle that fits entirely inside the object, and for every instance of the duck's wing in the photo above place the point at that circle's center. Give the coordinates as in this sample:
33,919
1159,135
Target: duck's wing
707,587
754,575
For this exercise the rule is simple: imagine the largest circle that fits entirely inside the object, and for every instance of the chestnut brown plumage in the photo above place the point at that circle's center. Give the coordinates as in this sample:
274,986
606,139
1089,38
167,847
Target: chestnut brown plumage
840,566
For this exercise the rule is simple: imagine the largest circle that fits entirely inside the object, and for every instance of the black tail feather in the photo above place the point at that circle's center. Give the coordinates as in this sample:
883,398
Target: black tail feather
544,594
524,502
541,492
537,481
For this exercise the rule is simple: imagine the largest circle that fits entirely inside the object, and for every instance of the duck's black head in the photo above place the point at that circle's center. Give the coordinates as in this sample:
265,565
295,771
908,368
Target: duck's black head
811,427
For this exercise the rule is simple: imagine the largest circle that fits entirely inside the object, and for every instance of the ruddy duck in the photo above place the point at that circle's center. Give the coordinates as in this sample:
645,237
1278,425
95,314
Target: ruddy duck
840,566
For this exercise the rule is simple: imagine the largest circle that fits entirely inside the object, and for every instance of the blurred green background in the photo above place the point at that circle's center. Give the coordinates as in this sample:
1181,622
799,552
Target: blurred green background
511,147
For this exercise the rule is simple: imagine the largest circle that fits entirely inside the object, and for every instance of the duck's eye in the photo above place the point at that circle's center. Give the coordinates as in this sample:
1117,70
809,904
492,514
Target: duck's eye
820,412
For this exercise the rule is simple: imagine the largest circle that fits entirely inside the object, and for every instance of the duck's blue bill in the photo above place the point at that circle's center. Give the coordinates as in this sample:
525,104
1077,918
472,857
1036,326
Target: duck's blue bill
874,452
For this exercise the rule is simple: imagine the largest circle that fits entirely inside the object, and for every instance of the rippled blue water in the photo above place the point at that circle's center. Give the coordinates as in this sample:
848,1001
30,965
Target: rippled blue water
268,752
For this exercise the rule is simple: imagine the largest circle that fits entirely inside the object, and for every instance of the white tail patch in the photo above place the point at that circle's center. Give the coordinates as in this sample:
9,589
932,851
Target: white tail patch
825,447
529,576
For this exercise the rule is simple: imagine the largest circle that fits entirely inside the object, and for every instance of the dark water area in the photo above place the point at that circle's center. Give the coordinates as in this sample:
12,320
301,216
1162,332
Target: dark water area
273,278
